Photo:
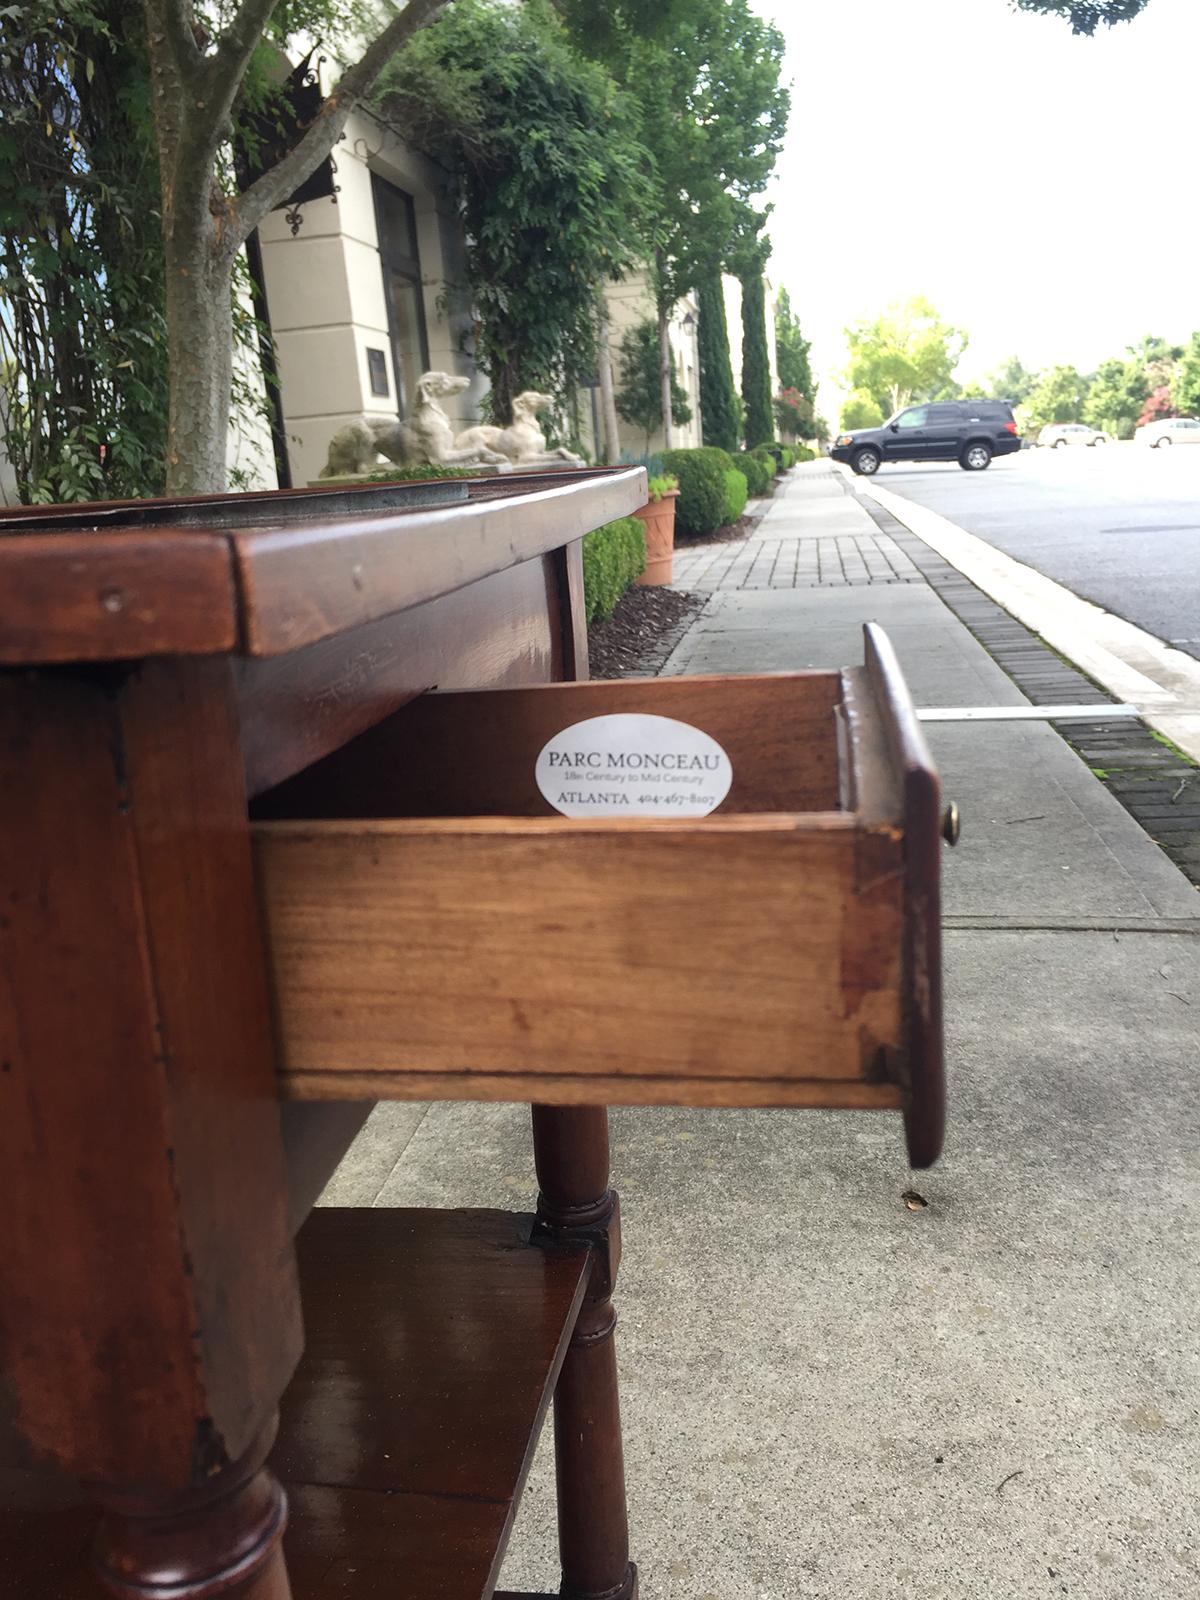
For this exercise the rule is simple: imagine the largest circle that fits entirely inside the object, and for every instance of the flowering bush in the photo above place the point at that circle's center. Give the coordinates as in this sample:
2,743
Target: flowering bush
1157,407
794,413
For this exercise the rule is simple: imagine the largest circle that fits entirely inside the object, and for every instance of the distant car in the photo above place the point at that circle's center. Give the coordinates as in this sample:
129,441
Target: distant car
970,432
1060,434
1171,431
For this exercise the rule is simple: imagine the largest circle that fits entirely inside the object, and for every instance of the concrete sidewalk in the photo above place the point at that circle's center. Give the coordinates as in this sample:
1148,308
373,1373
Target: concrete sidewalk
825,1394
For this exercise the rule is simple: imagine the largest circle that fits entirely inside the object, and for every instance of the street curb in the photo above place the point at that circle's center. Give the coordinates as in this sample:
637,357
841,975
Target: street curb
1159,787
1124,659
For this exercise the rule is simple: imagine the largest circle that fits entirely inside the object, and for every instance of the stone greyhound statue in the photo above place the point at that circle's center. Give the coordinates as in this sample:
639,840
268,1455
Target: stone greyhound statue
424,438
524,443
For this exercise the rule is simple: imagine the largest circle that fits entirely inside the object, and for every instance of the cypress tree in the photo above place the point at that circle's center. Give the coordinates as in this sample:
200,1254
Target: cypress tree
718,400
756,363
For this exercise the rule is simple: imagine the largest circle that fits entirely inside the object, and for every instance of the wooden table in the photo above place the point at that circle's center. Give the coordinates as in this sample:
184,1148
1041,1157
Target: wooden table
255,877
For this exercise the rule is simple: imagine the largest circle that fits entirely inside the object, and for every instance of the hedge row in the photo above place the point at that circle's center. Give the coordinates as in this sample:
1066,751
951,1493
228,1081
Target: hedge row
614,557
759,475
700,508
712,489
736,493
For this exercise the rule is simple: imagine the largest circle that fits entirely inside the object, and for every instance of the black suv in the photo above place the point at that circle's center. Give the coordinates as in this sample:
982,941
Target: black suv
970,432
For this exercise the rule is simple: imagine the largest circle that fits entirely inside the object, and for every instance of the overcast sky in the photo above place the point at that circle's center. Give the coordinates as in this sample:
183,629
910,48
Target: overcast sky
1040,189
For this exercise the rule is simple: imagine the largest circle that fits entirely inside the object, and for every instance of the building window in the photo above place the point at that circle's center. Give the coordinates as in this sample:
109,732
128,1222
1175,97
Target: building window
396,225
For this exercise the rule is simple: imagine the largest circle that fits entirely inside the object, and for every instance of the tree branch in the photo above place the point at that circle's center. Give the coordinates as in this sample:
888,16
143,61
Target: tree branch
176,20
225,69
273,188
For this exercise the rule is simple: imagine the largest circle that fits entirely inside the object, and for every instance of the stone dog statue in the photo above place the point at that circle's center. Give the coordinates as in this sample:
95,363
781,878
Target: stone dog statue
424,438
524,443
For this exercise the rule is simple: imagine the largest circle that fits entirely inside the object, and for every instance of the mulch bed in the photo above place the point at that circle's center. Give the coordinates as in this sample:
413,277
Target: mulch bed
741,529
641,633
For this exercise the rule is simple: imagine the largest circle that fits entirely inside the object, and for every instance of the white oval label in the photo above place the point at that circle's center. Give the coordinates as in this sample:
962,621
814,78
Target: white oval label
633,765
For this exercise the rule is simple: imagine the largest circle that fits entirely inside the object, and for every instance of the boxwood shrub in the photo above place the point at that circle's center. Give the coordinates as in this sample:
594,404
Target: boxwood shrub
758,474
700,508
614,557
735,494
804,452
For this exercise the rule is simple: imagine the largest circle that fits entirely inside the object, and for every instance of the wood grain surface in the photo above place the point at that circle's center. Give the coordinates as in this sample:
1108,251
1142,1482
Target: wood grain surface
120,581
303,584
138,1129
295,709
458,755
83,597
433,1343
741,947
923,1062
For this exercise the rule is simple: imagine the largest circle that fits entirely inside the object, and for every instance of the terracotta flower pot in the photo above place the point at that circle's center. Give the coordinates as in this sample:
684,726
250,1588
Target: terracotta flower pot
658,518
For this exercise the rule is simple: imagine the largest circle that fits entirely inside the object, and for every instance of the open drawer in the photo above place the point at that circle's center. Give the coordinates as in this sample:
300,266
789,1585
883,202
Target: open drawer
437,931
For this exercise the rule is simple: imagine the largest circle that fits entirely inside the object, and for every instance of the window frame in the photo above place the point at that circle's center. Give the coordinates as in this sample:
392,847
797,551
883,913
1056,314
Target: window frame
393,263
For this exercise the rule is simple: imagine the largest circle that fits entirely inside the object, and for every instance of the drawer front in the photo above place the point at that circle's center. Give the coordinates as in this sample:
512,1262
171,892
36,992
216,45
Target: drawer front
742,960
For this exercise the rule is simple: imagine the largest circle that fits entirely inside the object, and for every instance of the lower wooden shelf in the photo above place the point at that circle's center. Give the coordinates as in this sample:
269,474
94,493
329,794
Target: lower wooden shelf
433,1343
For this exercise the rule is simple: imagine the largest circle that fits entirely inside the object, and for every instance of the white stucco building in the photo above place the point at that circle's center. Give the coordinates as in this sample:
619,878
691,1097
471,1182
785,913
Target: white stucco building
366,294
365,290
630,302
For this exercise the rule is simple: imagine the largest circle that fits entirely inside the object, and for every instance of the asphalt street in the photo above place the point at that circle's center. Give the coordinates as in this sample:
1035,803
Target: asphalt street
1118,525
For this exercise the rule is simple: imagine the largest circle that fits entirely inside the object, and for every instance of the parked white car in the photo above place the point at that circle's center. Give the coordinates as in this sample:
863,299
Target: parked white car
1060,434
1171,431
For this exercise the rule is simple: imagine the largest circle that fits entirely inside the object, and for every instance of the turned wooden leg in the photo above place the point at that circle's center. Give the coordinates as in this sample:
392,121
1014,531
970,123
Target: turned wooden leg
571,1156
222,1539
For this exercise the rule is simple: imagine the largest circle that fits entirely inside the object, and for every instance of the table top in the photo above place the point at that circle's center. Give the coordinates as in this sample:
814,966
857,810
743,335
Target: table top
260,575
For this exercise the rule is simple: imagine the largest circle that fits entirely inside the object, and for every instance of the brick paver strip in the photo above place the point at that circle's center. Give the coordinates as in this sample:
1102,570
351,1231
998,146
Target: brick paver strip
803,561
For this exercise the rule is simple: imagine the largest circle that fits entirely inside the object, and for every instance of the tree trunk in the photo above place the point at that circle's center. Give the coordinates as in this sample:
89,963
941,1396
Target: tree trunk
611,447
666,371
199,289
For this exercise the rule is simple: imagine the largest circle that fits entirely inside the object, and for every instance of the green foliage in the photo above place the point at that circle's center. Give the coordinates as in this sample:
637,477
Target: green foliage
413,474
789,457
1085,16
712,454
759,475
705,75
772,451
614,557
803,453
791,351
736,494
83,328
701,506
1012,382
720,413
550,179
1187,381
907,354
639,398
660,485
82,333
1115,397
756,361
653,463
794,414
861,411
1059,397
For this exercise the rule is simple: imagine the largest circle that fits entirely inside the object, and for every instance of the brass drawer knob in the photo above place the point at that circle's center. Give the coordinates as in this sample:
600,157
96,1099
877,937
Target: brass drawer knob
951,824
